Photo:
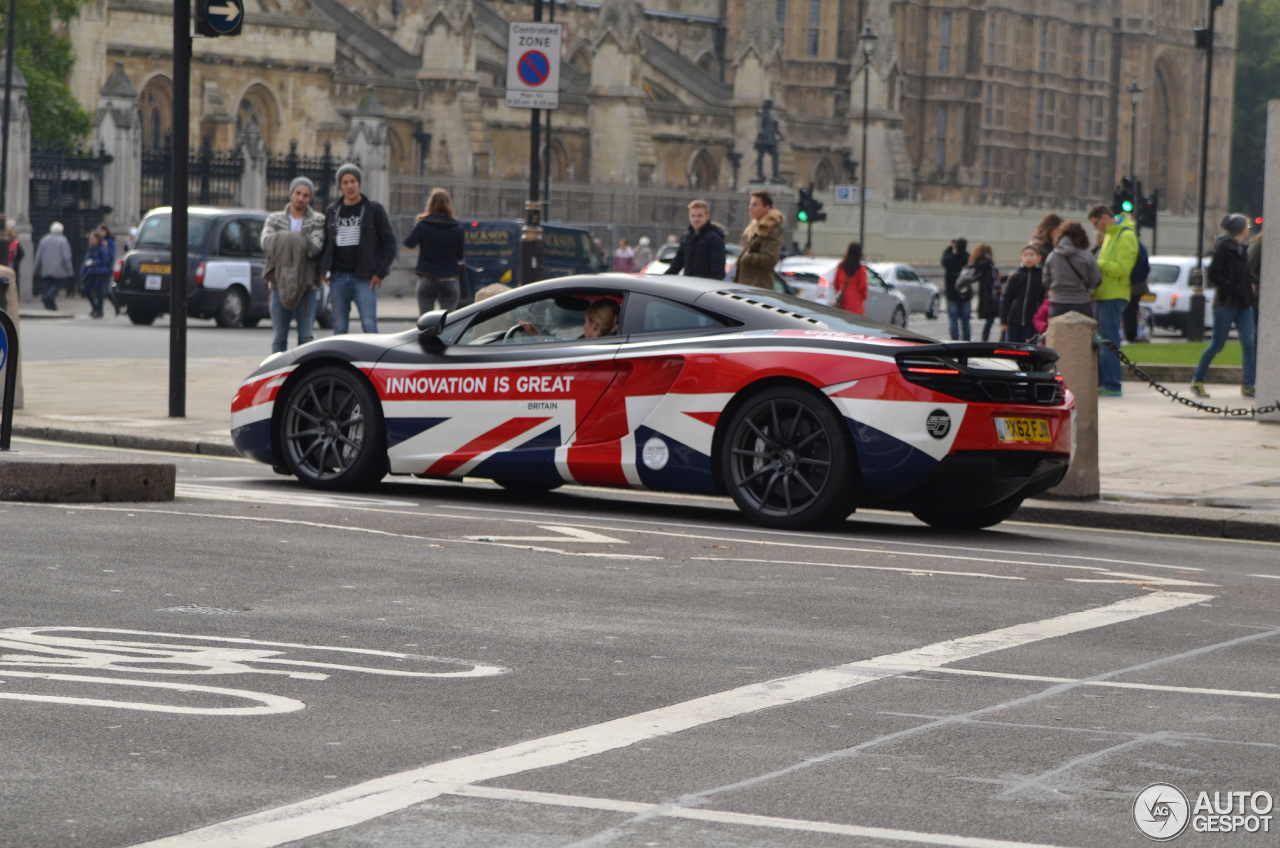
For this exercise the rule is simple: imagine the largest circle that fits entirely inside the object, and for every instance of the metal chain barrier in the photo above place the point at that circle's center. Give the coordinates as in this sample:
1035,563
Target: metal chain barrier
1172,395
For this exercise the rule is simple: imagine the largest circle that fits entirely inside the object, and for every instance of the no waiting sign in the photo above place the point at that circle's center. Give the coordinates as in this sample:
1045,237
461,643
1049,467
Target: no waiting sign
533,66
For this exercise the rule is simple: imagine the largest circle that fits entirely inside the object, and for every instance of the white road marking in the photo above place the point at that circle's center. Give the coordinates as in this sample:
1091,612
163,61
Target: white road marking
575,534
44,649
1110,684
864,567
294,497
380,796
1268,576
723,817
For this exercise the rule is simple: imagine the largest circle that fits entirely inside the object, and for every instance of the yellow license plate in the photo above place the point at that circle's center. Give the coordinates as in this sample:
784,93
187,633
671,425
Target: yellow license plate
1022,430
1148,298
151,268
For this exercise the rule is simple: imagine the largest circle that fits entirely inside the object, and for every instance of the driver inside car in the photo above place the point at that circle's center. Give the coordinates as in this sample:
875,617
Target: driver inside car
601,319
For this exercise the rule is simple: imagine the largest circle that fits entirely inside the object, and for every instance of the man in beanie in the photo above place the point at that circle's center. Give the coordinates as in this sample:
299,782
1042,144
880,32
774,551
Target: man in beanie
1235,293
359,248
293,239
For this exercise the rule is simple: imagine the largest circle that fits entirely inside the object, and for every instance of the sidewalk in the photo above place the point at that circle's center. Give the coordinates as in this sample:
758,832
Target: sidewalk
1165,468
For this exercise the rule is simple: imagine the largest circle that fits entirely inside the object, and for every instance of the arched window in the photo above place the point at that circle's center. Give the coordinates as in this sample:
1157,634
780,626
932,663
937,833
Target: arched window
702,170
824,175
707,64
560,170
156,105
258,102
581,61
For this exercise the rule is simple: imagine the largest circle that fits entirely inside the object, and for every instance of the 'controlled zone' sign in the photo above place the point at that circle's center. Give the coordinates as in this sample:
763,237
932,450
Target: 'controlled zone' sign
533,66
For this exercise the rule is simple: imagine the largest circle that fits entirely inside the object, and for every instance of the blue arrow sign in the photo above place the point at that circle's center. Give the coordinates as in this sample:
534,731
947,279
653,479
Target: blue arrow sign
224,15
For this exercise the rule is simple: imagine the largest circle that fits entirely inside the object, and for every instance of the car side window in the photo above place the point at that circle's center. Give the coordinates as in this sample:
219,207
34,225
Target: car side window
564,317
231,242
648,314
908,275
253,234
874,279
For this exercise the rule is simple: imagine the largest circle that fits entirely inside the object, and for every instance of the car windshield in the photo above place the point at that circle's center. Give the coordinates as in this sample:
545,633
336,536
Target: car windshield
668,252
156,231
828,318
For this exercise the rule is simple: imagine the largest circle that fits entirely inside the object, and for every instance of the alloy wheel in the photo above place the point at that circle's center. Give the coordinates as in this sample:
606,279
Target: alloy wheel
781,457
324,427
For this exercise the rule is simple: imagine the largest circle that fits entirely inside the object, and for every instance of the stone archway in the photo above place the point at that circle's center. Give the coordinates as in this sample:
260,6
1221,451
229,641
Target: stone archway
259,102
702,170
1166,142
824,175
155,102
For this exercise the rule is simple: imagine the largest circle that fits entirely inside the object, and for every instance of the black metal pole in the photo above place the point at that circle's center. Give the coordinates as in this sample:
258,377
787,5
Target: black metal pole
10,378
1133,168
862,183
1195,316
531,244
8,94
178,223
546,157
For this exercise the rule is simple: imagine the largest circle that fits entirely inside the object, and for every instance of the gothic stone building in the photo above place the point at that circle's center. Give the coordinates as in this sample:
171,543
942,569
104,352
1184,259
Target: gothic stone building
1007,102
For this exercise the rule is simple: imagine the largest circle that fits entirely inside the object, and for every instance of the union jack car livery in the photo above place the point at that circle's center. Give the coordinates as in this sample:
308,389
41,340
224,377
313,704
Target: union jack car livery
801,413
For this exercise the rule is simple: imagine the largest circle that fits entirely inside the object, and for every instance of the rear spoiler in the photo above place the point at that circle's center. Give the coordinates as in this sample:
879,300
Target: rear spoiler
958,354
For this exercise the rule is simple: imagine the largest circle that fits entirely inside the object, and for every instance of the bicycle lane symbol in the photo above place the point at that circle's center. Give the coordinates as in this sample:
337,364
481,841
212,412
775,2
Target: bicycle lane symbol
63,659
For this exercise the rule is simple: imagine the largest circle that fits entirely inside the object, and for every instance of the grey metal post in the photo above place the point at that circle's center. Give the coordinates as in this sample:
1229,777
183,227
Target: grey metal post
1195,317
868,41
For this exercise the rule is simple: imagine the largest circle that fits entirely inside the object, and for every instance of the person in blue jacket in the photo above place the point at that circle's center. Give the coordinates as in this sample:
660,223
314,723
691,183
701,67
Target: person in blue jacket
95,273
442,246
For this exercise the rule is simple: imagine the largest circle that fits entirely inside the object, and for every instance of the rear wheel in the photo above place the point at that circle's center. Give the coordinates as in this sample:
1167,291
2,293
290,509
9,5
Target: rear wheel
232,309
142,315
899,318
974,520
332,433
788,460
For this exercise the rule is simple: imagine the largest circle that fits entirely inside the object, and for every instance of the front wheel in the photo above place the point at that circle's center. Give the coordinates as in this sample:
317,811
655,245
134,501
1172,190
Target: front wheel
899,318
932,312
331,431
141,315
788,460
974,520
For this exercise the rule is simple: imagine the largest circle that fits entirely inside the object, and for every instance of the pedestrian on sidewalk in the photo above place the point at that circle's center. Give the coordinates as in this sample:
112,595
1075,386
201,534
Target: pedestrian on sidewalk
1117,254
701,252
359,248
293,238
624,258
1043,237
1070,274
95,274
851,280
1233,301
442,247
644,253
989,287
53,267
954,260
110,241
761,243
1023,294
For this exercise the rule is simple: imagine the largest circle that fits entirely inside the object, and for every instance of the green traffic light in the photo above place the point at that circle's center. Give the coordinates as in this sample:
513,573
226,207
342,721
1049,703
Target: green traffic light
1126,205
803,216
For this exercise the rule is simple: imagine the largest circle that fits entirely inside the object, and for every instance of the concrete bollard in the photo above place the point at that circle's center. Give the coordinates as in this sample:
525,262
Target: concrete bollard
1071,335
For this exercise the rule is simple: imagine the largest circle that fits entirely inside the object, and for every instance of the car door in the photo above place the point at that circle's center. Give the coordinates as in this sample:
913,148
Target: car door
259,297
909,284
229,267
497,401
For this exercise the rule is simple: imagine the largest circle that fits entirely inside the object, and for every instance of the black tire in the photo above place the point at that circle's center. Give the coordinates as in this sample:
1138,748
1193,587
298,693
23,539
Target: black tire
232,309
145,317
899,317
932,312
788,460
252,322
325,318
529,487
975,520
331,432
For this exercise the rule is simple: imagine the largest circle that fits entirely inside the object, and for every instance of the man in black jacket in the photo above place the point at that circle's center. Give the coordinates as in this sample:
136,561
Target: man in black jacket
954,260
701,251
359,248
1235,293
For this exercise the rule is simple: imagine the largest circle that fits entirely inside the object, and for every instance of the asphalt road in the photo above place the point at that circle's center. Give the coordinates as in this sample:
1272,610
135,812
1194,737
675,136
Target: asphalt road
255,664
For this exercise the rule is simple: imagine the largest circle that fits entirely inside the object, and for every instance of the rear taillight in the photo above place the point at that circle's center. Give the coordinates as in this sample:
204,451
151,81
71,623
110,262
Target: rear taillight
824,289
1174,302
200,274
118,270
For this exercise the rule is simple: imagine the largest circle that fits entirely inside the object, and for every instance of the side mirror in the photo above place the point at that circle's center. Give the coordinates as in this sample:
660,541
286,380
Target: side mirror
430,325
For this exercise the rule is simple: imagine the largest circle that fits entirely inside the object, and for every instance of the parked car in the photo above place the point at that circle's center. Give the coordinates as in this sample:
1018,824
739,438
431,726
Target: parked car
224,274
1170,300
493,254
667,254
922,296
799,412
814,279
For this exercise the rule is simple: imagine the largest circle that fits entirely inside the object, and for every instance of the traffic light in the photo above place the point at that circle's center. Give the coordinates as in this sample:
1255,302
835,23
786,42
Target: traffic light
1147,209
809,208
1122,200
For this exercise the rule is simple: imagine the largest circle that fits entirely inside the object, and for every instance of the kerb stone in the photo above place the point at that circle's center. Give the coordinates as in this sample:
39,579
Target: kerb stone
46,479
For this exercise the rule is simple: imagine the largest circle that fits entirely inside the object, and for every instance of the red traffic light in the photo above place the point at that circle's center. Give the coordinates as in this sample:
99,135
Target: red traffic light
1258,220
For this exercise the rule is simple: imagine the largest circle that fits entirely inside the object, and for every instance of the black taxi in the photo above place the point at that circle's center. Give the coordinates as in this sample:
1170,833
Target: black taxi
224,277
493,254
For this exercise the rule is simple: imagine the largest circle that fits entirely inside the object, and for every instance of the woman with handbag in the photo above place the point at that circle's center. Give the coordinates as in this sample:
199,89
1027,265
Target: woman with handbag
851,280
1071,272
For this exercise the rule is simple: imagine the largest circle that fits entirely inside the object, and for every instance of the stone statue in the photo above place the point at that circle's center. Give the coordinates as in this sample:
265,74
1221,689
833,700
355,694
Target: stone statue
768,134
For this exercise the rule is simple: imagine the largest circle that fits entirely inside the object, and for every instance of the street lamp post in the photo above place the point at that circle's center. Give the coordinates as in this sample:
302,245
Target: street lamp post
1135,96
1195,317
868,41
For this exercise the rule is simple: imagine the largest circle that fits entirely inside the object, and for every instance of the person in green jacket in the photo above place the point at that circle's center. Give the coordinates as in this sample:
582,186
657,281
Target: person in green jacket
1116,257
